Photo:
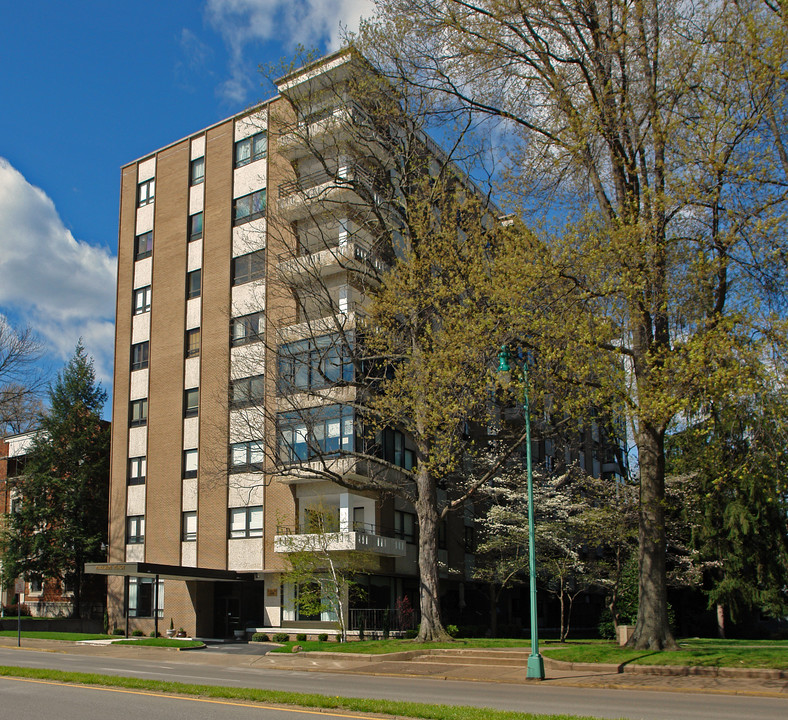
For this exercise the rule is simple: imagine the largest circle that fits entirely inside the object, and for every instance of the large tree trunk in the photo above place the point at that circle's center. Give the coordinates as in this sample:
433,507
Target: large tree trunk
429,600
493,611
652,630
720,621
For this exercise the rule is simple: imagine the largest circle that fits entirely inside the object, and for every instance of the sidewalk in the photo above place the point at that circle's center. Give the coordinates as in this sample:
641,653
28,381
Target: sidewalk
433,667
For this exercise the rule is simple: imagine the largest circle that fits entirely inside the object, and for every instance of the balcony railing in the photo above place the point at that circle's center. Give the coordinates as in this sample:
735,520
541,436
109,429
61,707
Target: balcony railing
322,177
362,538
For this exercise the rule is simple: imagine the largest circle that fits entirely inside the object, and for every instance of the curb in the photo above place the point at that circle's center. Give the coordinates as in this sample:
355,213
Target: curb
670,670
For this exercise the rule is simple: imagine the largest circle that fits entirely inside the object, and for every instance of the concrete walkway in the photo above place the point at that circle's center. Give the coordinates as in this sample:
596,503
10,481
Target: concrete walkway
493,666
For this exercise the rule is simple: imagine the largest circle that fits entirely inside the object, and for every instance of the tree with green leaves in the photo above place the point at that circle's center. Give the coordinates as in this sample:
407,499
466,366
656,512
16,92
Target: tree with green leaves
645,134
733,460
323,570
61,522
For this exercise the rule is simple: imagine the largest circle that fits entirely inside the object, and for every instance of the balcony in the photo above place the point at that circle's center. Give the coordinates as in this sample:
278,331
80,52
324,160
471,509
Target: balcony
354,256
362,538
318,130
340,187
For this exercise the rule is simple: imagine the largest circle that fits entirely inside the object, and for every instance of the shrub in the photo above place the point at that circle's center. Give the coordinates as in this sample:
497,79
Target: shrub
118,631
281,637
322,637
137,633
154,634
15,610
453,630
410,634
260,637
301,637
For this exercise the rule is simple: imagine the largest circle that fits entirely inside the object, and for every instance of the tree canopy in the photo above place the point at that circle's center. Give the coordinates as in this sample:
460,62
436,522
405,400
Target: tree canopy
646,134
61,522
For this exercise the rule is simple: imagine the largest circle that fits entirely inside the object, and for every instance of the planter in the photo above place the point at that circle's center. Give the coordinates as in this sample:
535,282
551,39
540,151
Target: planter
239,634
170,632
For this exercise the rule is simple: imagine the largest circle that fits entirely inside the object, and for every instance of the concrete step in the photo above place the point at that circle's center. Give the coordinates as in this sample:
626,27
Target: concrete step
475,657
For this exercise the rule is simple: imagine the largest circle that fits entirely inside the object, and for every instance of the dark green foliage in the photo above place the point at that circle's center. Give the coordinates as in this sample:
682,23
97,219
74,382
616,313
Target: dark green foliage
62,519
118,631
734,464
322,637
137,633
281,637
301,637
260,637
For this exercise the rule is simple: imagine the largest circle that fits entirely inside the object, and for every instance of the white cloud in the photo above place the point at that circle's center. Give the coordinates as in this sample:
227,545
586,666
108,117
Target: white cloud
62,287
312,23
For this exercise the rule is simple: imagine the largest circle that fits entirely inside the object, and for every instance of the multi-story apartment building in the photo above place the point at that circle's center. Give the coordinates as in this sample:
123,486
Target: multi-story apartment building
224,237
244,258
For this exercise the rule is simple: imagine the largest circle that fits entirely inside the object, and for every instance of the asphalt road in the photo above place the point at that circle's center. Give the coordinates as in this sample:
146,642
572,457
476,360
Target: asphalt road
21,698
534,698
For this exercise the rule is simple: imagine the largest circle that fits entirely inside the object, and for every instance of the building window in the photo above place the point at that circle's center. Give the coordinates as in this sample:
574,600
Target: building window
314,363
192,343
247,456
391,447
143,596
247,329
139,355
405,526
442,525
145,192
189,527
138,467
470,539
138,413
143,245
248,391
142,300
190,463
251,149
249,207
248,267
36,585
197,171
191,402
135,529
195,226
193,284
246,522
310,433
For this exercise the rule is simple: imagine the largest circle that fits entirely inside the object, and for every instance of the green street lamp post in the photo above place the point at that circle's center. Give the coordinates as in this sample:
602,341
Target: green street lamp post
535,669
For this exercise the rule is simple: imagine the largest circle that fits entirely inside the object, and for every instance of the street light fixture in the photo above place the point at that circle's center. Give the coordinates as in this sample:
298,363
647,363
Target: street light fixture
535,669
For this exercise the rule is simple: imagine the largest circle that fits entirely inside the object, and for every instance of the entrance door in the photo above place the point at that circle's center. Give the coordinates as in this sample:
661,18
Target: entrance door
228,616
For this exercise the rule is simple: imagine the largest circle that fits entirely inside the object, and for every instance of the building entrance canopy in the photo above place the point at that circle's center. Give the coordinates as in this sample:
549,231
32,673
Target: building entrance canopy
164,572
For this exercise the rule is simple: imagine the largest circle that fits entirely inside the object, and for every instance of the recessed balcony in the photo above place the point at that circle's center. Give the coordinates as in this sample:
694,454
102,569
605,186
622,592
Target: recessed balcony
351,256
296,197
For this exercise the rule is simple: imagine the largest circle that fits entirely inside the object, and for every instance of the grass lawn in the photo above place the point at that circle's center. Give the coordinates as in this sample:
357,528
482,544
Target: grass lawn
697,651
385,707
379,647
160,642
42,635
694,651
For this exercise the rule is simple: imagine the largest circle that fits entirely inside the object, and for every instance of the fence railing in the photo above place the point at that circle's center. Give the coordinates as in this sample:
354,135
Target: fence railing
381,619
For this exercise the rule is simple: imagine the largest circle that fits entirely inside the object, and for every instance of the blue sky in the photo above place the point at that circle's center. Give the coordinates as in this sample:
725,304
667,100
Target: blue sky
87,86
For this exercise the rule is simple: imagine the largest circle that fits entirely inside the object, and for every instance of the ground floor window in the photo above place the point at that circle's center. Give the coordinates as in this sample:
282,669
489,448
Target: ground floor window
292,611
142,597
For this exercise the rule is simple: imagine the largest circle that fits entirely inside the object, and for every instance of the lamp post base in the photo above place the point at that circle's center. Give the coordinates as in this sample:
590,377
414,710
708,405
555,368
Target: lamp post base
535,667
